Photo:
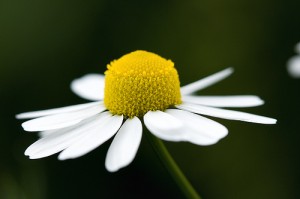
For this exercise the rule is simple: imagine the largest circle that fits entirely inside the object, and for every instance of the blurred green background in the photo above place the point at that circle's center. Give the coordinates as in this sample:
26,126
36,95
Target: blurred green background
44,45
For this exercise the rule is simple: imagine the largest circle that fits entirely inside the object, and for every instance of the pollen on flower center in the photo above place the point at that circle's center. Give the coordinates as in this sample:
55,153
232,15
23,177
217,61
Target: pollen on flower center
139,82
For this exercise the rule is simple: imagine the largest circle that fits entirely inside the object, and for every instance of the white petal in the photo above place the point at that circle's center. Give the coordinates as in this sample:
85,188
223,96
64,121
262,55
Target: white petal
62,138
163,125
226,114
46,133
92,139
225,101
293,66
200,125
61,120
66,109
205,82
194,128
90,87
124,146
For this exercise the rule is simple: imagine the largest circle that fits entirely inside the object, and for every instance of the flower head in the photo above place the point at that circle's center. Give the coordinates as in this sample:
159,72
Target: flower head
138,85
140,82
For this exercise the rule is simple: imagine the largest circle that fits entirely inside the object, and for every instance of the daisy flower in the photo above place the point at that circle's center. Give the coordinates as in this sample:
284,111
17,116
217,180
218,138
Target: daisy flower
293,65
138,86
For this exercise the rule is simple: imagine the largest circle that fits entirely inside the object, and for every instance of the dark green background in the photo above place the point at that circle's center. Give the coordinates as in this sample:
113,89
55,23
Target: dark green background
44,45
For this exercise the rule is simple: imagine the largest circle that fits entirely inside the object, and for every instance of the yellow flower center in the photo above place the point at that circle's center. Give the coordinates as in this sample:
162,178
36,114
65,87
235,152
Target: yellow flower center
139,82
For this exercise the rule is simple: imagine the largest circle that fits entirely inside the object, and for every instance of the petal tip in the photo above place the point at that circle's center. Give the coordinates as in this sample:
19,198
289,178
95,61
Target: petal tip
230,69
111,169
274,121
26,152
33,157
27,127
61,158
18,116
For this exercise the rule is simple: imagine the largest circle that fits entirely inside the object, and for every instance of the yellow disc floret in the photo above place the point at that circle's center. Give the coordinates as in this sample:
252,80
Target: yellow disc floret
139,82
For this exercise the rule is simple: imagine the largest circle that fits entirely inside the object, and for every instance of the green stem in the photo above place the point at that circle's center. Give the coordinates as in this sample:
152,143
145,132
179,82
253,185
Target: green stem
172,167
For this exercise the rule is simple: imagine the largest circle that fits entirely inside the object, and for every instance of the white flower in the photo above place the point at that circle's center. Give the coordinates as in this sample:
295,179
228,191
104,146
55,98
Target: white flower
293,64
77,130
